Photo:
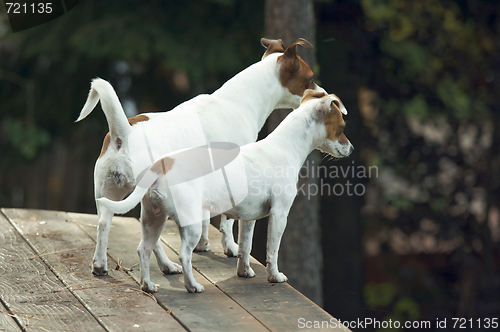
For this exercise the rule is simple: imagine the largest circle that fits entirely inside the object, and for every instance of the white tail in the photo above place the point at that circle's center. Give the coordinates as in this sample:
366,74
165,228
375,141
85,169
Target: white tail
127,204
117,120
158,169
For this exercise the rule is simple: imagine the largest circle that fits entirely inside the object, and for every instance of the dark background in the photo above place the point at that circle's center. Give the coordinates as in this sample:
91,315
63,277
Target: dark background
419,79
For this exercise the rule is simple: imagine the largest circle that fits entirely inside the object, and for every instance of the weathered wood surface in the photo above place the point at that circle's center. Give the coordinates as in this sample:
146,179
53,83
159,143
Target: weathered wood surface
45,257
109,299
7,322
278,306
31,292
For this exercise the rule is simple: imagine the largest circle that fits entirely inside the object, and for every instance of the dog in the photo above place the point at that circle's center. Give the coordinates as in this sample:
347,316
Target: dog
272,168
234,113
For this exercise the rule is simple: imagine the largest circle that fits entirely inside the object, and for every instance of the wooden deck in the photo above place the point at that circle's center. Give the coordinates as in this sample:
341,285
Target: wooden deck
46,283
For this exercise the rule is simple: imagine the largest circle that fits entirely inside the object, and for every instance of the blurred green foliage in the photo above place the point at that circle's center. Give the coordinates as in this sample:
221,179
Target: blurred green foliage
433,54
386,296
208,41
27,139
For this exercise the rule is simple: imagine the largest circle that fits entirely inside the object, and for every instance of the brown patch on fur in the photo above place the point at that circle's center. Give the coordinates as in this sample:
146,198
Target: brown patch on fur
295,74
162,166
105,144
311,94
334,125
132,121
138,118
272,45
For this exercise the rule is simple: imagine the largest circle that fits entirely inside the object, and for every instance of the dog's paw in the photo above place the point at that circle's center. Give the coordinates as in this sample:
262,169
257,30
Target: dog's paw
231,249
149,287
99,270
247,272
202,246
195,288
277,278
172,268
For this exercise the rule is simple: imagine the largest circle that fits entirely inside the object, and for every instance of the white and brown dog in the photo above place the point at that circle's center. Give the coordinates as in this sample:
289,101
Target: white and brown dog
271,169
234,113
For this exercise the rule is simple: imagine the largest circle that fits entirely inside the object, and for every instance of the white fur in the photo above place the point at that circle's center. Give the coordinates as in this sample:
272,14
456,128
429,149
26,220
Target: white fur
235,113
272,166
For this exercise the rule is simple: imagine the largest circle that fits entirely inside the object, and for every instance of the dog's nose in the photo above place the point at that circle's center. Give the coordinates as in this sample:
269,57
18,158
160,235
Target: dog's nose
351,149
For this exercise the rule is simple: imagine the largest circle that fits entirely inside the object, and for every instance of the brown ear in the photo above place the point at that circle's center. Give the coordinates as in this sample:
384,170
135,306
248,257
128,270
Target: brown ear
272,45
302,42
291,51
311,94
290,57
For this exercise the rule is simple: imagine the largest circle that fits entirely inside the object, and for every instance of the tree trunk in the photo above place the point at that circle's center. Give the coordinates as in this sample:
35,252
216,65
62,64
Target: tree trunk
300,256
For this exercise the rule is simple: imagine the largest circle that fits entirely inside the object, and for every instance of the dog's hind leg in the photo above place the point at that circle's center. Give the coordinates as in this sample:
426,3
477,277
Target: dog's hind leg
100,262
204,245
226,228
112,192
190,236
165,264
245,247
152,224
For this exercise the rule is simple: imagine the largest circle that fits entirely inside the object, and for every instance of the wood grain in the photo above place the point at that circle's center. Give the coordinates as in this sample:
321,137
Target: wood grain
278,306
7,323
46,279
114,300
211,310
29,289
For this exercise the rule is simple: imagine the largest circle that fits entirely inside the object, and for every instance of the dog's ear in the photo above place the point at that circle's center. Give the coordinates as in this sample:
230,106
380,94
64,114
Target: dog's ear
290,57
329,102
311,94
272,45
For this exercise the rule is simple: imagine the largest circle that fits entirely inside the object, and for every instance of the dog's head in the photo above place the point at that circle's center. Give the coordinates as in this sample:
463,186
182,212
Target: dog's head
295,74
328,112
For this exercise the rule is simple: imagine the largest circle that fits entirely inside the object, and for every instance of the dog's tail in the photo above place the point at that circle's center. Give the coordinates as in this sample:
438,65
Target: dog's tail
121,207
117,120
157,170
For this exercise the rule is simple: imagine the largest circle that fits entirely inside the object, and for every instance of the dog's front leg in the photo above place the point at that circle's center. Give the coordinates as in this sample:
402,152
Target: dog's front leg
245,247
275,229
100,262
190,236
226,228
204,245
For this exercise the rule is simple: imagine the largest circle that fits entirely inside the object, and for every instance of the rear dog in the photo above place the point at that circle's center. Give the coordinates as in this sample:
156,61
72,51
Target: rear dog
234,113
272,168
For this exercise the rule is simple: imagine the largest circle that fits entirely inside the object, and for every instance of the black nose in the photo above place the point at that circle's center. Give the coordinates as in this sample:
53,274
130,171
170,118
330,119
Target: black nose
351,149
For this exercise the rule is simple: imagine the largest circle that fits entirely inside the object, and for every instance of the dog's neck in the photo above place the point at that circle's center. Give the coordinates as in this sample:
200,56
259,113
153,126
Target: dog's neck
255,92
298,134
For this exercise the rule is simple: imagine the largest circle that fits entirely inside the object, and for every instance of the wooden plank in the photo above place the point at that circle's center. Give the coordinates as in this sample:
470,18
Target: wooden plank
278,306
30,290
212,310
7,323
115,300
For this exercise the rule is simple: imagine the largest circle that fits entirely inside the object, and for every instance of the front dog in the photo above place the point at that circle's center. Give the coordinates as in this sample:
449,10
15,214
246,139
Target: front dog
272,169
234,113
